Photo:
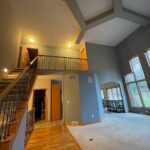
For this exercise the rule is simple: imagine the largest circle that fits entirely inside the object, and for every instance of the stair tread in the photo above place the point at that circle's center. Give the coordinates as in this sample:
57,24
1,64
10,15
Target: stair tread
19,68
3,81
15,72
9,138
11,75
2,88
3,84
8,78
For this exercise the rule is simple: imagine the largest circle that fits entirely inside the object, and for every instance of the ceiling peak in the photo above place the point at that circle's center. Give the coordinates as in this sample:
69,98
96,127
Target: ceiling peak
117,11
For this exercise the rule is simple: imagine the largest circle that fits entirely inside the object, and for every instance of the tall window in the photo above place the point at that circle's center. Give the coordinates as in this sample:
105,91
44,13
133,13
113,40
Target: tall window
102,94
137,85
137,68
114,94
147,54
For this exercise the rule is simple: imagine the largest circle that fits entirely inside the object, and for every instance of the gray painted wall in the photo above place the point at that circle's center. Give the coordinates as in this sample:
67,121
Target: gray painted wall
90,99
103,61
54,51
135,44
9,37
18,143
71,102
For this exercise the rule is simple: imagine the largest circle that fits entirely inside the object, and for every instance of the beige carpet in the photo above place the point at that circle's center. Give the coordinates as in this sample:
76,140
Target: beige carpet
116,132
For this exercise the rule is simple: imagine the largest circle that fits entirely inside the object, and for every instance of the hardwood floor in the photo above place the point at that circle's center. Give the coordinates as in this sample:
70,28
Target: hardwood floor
52,138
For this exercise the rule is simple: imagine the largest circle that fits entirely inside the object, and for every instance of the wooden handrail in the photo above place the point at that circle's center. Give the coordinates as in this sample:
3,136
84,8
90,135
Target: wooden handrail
61,57
11,85
33,60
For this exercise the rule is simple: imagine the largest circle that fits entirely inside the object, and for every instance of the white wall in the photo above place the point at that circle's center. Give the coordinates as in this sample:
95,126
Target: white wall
44,82
9,37
70,92
72,106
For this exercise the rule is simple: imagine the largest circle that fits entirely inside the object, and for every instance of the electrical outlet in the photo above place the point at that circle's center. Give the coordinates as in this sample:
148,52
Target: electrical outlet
92,116
90,80
68,102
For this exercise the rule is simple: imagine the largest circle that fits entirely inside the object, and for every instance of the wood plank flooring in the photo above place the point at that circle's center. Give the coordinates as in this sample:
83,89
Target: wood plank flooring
52,138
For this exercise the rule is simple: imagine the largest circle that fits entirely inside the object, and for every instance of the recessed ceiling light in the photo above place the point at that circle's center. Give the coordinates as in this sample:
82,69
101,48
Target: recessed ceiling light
31,40
69,45
5,70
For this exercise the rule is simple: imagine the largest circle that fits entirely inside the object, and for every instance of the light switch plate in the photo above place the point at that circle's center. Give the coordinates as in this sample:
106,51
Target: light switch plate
90,80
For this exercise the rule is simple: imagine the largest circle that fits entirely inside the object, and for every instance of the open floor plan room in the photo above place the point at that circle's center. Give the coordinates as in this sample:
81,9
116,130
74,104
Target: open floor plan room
74,74
116,132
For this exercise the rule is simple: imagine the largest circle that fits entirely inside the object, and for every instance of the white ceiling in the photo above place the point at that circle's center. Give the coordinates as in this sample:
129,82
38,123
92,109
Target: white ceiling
139,6
92,8
49,21
111,32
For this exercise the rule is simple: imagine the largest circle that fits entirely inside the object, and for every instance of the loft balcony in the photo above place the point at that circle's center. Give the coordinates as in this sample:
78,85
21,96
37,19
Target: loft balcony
57,63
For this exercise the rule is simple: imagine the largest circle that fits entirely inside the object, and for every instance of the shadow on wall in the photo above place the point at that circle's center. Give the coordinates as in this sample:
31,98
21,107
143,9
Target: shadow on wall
10,37
103,61
91,102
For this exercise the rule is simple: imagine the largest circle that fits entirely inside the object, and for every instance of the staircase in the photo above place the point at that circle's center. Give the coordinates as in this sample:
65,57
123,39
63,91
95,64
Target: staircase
7,79
15,89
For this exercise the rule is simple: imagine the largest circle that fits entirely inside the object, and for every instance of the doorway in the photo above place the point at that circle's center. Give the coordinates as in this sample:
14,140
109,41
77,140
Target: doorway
39,104
56,100
112,98
83,57
32,53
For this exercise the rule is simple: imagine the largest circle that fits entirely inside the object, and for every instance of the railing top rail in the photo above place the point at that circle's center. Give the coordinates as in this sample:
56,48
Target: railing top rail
11,85
33,60
62,57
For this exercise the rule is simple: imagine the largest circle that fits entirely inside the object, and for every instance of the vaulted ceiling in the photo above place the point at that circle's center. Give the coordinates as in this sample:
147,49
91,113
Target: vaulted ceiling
92,8
50,22
138,6
55,22
109,22
111,32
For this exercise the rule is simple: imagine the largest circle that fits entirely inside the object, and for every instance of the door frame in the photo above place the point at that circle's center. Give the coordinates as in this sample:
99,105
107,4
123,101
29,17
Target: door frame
46,102
62,108
26,55
28,49
19,57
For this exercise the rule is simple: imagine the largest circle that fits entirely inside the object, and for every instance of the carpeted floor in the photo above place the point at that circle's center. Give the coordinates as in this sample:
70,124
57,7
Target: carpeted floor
117,132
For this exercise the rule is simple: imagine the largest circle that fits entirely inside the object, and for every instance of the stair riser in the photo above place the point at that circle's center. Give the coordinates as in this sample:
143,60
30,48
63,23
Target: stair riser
13,128
7,144
4,83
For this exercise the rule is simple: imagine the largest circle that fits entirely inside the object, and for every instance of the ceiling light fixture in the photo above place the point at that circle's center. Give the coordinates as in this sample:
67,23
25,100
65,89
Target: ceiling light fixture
5,70
69,45
31,40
